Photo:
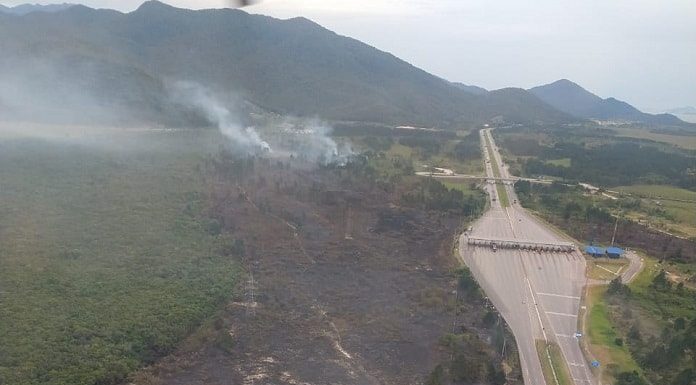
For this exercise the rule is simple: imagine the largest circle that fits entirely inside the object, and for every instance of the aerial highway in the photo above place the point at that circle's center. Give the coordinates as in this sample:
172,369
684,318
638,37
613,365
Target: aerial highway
448,174
537,291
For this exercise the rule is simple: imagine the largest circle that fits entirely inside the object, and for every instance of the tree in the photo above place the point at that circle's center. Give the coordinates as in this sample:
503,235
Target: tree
685,377
617,287
630,378
660,281
571,208
436,377
495,376
657,358
634,333
490,318
523,187
466,281
466,368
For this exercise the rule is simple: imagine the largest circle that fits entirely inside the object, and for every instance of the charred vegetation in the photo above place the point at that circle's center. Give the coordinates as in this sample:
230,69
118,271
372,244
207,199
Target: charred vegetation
352,284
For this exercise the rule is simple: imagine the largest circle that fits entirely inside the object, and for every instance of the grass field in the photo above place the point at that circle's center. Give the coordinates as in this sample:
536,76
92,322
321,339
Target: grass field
502,195
462,155
401,150
444,158
678,204
605,269
602,336
107,259
564,162
658,192
683,141
468,188
500,188
684,215
494,162
560,369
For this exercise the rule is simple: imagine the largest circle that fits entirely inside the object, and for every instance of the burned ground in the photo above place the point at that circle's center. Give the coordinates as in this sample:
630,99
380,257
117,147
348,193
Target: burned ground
349,287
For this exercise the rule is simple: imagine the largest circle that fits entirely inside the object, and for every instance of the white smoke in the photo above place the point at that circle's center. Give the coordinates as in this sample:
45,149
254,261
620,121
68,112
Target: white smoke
311,140
244,139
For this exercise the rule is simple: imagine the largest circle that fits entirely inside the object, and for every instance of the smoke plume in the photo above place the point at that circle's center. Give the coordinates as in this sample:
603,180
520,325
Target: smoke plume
309,140
243,139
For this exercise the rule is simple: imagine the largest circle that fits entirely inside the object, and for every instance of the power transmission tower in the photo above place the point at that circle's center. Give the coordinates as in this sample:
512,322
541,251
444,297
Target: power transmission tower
616,226
349,223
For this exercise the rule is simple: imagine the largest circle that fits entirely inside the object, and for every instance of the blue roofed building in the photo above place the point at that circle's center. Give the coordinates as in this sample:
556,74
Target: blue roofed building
614,252
595,251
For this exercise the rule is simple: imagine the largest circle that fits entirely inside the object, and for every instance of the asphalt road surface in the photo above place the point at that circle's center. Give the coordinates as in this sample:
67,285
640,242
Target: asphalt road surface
538,293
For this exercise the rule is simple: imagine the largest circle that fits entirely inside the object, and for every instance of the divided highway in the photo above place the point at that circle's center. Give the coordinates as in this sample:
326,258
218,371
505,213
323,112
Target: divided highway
537,292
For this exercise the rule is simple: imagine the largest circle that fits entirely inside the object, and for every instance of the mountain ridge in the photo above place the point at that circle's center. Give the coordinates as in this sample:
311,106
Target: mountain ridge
682,110
24,9
292,66
472,89
575,100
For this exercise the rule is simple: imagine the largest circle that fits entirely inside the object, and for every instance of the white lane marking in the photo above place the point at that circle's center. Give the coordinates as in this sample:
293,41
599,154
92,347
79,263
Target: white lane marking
564,336
576,364
562,314
536,307
559,295
611,271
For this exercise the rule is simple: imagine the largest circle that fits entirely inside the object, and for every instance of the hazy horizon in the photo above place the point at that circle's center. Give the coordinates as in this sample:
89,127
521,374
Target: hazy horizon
641,52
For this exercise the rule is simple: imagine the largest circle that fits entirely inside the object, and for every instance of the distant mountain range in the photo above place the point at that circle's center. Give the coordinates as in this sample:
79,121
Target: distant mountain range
577,101
73,63
24,9
123,62
687,110
687,113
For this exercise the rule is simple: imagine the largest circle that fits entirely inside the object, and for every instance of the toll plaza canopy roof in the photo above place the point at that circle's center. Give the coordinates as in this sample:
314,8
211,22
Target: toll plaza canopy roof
615,251
594,250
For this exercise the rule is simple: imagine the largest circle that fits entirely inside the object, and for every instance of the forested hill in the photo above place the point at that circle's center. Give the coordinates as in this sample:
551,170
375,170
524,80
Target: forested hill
123,62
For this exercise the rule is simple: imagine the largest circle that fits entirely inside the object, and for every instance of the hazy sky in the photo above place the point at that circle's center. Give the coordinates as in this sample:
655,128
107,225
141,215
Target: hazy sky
641,51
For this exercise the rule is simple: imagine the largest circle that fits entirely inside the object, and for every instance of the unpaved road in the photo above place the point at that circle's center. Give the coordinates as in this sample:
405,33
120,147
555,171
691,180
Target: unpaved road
635,266
538,293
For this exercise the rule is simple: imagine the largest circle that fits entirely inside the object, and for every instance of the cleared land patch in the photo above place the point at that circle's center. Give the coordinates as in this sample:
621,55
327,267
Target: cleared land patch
658,192
563,162
665,207
604,269
684,141
468,188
